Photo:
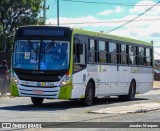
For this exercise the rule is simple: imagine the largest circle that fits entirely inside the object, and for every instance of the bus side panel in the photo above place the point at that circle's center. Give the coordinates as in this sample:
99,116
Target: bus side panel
65,92
107,76
145,80
78,91
144,87
80,81
79,84
124,79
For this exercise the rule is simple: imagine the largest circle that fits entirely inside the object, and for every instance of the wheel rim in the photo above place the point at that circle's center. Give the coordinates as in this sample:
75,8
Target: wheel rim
90,94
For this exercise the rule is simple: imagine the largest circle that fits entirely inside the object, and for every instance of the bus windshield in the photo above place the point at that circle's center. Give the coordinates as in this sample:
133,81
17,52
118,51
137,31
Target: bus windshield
41,55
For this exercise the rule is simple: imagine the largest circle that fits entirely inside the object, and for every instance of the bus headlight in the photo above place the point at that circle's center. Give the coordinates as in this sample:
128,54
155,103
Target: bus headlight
65,81
14,80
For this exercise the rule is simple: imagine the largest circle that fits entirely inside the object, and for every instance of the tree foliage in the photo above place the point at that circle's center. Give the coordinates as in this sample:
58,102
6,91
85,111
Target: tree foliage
15,13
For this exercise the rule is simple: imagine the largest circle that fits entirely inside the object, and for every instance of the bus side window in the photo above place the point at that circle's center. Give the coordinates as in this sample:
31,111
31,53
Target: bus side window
141,56
112,53
102,52
132,55
123,54
79,56
92,51
148,57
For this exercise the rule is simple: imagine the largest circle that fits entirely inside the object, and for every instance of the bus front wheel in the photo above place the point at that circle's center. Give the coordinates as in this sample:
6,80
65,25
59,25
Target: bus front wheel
37,101
89,95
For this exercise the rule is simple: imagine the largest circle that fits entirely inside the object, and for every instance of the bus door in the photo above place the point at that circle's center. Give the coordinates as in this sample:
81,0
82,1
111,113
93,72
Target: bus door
107,69
124,69
79,69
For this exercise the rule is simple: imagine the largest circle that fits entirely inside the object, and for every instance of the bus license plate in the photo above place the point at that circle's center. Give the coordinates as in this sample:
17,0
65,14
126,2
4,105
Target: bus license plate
38,91
49,84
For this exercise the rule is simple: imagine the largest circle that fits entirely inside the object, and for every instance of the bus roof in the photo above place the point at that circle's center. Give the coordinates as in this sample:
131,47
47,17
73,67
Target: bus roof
112,37
96,34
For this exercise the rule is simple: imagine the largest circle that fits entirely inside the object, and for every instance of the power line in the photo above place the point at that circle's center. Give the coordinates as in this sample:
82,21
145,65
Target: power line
113,4
107,21
157,53
134,18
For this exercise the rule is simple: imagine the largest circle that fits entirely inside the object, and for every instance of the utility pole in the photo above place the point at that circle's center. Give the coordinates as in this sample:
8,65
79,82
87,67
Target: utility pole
44,8
57,12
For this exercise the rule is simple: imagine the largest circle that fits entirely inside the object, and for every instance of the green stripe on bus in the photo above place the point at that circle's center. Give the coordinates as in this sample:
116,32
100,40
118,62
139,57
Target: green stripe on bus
65,92
14,90
113,37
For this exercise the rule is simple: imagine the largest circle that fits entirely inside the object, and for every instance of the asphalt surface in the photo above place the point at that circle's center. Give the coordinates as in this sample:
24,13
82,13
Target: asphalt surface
18,109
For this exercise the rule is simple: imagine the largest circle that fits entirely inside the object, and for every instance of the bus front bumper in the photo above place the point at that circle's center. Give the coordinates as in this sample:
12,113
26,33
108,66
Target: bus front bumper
43,92
51,92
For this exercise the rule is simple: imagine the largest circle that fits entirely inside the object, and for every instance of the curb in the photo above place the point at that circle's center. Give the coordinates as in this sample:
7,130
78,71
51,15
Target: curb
135,108
6,95
156,88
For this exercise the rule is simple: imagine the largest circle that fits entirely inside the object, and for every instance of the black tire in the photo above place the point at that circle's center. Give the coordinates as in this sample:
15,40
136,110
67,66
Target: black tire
37,101
89,95
122,98
131,93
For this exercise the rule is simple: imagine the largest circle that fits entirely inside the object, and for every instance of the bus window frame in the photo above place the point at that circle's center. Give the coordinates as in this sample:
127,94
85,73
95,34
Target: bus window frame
96,39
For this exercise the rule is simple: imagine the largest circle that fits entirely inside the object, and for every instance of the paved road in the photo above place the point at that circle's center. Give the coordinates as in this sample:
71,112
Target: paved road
22,110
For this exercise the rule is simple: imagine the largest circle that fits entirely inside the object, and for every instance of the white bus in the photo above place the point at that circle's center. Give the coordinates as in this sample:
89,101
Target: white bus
67,63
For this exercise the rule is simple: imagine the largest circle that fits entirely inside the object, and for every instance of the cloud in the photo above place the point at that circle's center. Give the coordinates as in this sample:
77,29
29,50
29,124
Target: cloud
155,34
139,9
157,51
106,12
145,28
117,9
142,28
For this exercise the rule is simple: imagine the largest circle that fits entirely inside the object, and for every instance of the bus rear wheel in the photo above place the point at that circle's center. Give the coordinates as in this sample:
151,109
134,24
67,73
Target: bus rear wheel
37,101
89,95
131,93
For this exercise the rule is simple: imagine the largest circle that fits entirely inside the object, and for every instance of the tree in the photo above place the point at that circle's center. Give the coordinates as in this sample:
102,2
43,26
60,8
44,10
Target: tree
1,37
15,13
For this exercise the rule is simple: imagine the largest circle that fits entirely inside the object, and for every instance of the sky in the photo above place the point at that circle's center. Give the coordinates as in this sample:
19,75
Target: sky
106,15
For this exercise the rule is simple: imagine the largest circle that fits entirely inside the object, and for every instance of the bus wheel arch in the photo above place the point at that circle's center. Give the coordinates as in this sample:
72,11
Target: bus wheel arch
89,93
94,86
133,80
132,90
